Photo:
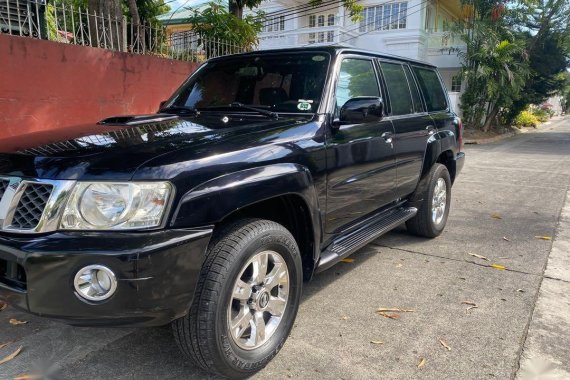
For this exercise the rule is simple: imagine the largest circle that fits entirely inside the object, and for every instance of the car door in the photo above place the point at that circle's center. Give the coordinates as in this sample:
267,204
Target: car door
360,156
413,126
435,96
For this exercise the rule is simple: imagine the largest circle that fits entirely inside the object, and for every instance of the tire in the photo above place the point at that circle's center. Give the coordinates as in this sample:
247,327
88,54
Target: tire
205,336
425,223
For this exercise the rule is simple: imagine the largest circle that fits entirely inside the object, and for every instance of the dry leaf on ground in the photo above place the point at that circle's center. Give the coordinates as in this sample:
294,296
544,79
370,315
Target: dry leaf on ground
28,377
470,303
376,342
506,239
3,305
11,356
389,315
399,265
347,261
520,290
16,322
422,362
345,317
544,237
395,310
496,216
478,256
497,266
444,345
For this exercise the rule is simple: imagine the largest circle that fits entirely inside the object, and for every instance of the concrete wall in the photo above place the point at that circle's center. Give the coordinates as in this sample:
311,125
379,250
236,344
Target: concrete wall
48,87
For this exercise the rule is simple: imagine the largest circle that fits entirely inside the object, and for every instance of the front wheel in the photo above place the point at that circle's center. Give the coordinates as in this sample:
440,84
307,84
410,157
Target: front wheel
246,299
435,195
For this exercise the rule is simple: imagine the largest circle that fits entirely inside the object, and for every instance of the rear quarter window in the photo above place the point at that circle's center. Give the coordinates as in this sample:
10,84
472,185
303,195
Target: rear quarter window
432,89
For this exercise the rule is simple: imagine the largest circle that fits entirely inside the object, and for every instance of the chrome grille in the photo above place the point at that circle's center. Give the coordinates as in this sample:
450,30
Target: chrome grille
31,206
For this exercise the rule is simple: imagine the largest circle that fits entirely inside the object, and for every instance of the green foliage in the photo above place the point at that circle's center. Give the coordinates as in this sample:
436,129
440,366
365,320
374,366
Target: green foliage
544,26
526,119
541,114
495,69
217,23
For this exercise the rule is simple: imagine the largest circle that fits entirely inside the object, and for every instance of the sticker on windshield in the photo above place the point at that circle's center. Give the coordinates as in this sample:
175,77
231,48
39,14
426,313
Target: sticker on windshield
304,105
318,58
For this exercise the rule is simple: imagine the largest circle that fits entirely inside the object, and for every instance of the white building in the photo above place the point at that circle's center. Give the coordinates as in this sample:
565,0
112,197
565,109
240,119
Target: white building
417,29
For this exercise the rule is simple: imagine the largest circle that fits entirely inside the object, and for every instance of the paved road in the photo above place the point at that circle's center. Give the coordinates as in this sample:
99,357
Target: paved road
523,181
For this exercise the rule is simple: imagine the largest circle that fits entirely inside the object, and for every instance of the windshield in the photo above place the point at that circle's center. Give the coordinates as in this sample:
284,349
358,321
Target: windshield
275,82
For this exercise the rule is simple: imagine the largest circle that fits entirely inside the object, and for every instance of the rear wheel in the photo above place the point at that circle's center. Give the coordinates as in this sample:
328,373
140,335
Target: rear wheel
433,210
246,300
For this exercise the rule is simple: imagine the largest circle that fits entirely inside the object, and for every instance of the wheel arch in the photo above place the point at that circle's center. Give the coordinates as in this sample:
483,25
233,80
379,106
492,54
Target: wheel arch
283,193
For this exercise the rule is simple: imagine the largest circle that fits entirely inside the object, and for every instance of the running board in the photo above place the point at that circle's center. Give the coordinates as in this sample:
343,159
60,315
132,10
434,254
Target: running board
347,245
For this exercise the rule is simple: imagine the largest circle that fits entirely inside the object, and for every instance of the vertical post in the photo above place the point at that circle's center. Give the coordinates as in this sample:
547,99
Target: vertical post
124,27
111,32
38,24
81,27
73,22
18,14
89,26
64,20
96,28
9,25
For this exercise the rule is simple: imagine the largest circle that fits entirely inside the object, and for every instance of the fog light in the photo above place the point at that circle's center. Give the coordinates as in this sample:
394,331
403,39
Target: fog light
95,283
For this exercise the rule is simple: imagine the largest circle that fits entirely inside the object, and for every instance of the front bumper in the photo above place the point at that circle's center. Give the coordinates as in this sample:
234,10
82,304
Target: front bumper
156,272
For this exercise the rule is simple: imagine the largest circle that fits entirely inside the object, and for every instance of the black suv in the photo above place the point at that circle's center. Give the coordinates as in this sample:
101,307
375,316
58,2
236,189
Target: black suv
261,170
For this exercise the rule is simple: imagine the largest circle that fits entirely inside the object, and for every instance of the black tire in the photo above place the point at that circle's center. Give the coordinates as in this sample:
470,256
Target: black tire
422,224
204,335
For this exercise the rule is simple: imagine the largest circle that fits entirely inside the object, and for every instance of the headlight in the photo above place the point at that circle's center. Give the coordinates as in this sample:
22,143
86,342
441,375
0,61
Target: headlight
116,206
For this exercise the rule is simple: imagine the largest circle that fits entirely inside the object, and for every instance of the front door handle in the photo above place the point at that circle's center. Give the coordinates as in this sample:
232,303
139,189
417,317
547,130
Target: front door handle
387,136
430,130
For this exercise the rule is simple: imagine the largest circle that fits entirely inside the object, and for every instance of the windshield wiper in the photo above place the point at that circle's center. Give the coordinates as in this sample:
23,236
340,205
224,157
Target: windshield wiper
261,111
178,110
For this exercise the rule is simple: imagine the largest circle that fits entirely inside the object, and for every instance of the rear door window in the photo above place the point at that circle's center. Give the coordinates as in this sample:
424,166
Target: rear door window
398,89
432,89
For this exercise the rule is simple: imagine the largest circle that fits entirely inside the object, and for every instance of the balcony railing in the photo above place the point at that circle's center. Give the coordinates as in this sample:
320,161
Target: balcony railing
325,35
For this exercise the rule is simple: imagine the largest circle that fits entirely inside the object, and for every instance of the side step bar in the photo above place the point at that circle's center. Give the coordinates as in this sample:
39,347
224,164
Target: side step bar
352,242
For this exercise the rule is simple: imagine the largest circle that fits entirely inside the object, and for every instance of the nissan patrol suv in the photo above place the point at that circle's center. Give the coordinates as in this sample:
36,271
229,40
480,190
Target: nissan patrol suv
261,170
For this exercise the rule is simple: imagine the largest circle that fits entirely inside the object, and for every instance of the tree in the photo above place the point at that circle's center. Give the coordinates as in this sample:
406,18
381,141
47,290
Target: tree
544,25
494,63
216,23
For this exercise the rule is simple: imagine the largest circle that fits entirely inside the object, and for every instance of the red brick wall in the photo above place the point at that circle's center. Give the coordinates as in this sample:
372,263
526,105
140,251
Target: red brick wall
49,88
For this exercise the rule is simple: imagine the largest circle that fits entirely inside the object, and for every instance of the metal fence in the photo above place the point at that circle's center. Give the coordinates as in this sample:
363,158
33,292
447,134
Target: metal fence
65,23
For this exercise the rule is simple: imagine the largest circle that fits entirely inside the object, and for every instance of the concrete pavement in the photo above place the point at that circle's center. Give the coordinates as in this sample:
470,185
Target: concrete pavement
508,194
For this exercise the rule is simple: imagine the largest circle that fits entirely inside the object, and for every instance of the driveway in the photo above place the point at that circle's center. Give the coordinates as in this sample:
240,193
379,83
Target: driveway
509,195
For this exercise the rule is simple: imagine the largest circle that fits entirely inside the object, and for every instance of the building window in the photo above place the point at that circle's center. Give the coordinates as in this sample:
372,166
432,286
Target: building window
456,83
274,24
330,36
312,21
330,20
384,17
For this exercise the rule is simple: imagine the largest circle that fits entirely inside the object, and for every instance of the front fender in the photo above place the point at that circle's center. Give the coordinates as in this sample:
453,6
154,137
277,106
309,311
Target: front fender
212,201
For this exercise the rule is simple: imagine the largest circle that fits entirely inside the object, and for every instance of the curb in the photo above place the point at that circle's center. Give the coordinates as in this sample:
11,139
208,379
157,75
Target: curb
490,139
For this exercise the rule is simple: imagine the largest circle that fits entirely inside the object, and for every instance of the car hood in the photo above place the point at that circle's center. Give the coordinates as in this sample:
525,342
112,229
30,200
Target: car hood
116,147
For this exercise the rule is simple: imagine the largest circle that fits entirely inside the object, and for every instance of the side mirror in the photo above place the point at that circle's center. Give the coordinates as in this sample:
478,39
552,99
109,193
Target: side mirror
362,109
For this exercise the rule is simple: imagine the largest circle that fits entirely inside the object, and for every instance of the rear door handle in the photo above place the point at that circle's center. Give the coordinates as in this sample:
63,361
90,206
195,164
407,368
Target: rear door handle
430,130
387,136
